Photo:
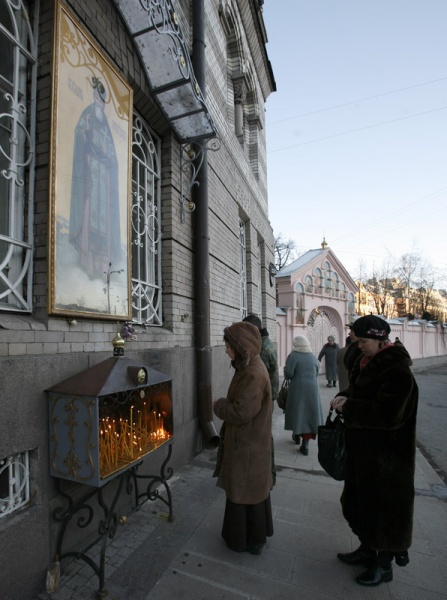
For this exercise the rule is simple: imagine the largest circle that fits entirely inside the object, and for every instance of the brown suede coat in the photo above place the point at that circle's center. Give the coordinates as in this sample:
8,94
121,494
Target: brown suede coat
244,458
380,433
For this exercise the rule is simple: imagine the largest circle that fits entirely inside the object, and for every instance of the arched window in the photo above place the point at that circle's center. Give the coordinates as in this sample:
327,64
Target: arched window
327,278
342,291
351,304
243,268
243,104
18,69
308,284
146,226
335,285
299,304
318,281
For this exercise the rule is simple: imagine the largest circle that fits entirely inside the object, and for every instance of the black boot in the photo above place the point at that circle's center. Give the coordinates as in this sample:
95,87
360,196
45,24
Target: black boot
380,572
304,448
362,556
402,558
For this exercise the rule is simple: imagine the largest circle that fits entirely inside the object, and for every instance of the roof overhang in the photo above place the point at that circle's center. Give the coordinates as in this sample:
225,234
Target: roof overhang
155,28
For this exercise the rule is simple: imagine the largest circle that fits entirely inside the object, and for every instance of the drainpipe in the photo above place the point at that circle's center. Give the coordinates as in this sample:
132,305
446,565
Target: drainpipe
201,255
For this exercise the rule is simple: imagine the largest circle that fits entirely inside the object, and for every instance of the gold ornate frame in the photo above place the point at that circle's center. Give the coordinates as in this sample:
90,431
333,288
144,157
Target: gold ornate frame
90,164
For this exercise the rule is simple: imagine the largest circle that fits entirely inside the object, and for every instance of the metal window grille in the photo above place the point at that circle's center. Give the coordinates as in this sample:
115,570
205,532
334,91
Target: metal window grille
14,483
18,51
259,265
146,227
243,267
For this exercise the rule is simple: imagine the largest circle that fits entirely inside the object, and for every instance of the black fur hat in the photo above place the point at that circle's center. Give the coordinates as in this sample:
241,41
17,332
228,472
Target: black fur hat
371,327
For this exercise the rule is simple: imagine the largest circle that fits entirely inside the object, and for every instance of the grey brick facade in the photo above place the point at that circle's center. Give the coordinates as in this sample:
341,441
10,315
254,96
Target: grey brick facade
38,350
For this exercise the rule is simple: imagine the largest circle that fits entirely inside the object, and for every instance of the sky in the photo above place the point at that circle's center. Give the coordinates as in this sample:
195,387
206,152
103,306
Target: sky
357,129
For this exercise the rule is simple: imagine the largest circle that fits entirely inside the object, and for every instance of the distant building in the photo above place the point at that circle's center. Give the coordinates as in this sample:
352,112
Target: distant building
315,298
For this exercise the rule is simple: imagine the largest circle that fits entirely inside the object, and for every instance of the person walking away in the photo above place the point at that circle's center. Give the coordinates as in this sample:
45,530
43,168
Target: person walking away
304,412
329,352
379,412
270,359
268,354
244,459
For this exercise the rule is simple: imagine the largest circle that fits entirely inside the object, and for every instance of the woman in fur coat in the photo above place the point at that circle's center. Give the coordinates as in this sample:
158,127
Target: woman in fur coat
304,412
379,411
244,461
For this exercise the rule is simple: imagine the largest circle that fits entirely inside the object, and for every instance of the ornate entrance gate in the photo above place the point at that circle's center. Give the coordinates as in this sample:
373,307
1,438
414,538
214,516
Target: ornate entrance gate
320,325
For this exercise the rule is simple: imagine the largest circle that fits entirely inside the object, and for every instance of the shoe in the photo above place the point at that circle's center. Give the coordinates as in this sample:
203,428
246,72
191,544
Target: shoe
296,438
256,550
334,384
361,556
375,576
329,385
402,558
304,448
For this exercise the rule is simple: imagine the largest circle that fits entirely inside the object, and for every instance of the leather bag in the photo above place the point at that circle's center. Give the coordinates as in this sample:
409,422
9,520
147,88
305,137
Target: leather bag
282,396
331,446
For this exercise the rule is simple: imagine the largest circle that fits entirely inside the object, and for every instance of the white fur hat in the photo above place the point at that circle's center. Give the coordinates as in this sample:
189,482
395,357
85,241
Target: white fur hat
300,343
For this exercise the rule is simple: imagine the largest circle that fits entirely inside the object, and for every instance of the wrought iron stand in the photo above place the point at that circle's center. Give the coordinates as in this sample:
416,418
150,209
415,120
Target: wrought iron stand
108,523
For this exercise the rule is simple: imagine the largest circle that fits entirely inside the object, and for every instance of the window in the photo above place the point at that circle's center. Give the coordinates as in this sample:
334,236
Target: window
335,285
308,283
328,278
351,304
318,281
17,132
243,267
146,228
243,105
259,265
299,304
14,483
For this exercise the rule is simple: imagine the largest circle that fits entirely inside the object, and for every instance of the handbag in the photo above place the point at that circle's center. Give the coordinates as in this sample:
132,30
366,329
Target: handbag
282,396
331,446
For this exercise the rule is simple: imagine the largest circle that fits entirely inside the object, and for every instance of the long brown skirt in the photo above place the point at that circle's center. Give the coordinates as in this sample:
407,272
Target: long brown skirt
247,525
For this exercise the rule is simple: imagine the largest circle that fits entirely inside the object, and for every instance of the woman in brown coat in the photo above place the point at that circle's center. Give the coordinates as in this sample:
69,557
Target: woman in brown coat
244,467
379,411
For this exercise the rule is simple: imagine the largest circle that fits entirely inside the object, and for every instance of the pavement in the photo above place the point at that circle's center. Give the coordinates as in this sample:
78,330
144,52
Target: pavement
151,558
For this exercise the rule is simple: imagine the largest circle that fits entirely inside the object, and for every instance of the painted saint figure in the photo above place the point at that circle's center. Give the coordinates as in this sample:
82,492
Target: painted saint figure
94,210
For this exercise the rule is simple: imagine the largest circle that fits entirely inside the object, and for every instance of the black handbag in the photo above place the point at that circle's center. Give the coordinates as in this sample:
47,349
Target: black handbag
282,396
331,446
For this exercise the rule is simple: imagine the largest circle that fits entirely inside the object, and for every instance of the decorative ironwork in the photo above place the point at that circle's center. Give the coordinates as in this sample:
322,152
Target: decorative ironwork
156,29
18,155
150,493
65,459
192,156
107,525
14,483
146,227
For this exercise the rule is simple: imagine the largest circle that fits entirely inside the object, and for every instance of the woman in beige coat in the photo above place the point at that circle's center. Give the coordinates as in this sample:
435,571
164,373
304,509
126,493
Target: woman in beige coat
244,467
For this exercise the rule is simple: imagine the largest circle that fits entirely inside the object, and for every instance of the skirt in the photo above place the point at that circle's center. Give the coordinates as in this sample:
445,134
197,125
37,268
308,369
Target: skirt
247,525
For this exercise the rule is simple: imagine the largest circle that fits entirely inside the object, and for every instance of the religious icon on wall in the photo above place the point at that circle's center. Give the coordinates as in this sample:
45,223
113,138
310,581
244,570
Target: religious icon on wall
90,166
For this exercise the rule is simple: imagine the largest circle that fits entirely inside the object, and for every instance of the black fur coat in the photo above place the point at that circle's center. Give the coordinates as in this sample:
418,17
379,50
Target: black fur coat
380,422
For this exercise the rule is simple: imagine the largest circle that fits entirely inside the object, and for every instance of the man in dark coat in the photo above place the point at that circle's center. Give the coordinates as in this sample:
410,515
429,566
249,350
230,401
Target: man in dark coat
379,411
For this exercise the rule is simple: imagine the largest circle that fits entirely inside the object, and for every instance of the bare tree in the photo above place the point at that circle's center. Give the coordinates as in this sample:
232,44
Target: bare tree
424,292
285,251
380,287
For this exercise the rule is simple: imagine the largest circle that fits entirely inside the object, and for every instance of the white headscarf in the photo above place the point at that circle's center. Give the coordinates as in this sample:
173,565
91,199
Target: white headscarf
300,343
